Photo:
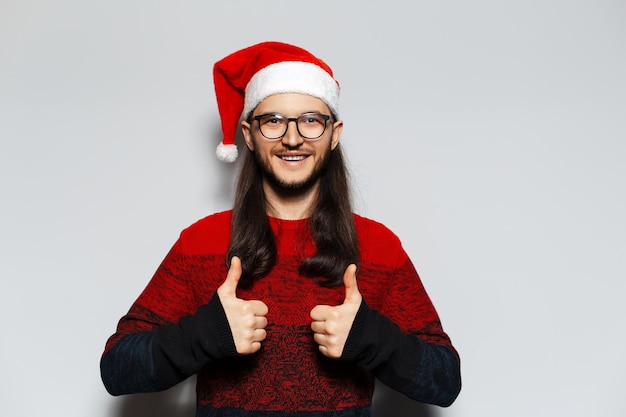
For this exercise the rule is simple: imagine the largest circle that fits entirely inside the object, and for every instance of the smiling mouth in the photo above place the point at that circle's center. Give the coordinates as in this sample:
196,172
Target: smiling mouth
293,157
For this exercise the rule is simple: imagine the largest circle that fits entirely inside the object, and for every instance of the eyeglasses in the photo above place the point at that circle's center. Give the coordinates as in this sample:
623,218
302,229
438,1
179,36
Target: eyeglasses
309,125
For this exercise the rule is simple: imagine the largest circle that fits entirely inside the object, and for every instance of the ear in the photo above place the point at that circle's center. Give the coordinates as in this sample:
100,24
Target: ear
247,134
337,129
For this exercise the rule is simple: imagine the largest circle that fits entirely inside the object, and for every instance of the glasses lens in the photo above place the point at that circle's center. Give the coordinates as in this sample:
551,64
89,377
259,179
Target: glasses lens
272,126
311,125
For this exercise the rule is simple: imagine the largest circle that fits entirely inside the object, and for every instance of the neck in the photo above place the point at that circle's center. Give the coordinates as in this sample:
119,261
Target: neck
289,204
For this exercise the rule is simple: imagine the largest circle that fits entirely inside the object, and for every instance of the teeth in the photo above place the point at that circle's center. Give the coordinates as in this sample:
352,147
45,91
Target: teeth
293,158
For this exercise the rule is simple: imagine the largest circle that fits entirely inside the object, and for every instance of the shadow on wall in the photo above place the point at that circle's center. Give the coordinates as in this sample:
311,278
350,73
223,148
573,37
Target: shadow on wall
388,402
179,401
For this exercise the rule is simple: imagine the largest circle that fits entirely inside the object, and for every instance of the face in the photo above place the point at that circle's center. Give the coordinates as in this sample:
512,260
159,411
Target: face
291,162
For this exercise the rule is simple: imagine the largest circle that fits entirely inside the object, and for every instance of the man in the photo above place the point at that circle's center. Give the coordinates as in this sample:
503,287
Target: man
289,304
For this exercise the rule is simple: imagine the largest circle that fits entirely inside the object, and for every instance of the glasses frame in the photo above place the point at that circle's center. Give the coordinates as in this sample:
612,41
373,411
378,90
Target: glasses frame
326,118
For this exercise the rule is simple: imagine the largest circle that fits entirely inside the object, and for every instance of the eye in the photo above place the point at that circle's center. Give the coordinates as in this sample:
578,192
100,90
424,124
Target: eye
311,119
272,119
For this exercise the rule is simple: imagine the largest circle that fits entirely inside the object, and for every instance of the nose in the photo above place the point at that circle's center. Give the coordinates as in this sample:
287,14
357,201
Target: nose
292,137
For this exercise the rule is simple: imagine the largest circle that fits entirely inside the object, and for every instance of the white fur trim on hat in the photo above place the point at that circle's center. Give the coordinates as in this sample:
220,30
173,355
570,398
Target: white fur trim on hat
227,153
292,77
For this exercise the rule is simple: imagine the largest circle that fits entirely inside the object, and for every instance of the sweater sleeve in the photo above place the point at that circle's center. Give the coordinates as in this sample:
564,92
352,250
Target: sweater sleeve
162,340
401,340
426,372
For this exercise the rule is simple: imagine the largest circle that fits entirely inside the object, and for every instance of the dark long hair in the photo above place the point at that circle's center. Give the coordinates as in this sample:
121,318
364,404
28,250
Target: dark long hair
331,225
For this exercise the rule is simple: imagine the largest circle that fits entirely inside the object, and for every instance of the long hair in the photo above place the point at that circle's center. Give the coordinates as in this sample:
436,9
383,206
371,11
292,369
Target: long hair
331,225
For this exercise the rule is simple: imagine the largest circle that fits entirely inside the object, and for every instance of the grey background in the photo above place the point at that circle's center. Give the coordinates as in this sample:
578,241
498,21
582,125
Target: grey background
490,136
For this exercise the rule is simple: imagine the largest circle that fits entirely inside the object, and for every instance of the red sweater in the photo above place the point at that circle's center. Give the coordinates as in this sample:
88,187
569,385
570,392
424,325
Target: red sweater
177,327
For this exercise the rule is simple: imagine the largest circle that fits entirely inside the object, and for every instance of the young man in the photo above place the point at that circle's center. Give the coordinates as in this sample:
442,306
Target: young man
289,304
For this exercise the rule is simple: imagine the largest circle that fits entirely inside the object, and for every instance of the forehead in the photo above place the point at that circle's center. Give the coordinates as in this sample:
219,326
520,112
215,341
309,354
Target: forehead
291,104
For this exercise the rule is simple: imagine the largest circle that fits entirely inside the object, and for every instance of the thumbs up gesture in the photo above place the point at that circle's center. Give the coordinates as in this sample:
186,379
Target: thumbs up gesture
246,318
331,324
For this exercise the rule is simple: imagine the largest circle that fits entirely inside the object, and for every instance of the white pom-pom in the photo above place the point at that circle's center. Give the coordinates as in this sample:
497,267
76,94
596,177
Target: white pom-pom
227,153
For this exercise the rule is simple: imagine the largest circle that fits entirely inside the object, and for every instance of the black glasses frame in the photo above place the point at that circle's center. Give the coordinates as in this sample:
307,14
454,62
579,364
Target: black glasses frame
258,118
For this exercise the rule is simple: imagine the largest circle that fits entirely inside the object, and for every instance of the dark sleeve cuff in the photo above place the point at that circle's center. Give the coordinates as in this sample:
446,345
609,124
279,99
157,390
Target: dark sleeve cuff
351,348
183,348
374,339
216,315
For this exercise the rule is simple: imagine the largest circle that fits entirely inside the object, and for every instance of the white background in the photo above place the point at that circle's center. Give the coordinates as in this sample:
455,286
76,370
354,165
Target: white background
489,135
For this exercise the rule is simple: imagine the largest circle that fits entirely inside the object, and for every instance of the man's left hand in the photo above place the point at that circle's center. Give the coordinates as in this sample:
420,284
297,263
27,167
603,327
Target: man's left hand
331,324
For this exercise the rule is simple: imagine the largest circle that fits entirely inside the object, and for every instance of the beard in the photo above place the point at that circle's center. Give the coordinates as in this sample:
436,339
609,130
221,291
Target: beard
281,185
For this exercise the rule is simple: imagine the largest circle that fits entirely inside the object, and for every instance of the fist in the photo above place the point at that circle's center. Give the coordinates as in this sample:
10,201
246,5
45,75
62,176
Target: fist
331,324
246,318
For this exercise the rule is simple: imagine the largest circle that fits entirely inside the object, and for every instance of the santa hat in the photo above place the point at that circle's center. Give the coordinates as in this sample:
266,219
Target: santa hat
245,78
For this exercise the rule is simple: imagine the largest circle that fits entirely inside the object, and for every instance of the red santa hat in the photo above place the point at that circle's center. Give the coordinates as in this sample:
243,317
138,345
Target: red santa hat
245,78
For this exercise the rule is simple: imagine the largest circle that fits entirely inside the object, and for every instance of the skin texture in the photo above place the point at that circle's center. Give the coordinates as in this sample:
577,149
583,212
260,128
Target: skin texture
290,188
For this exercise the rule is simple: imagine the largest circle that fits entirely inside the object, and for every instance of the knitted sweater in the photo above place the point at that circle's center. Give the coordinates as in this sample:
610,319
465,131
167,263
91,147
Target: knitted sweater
177,327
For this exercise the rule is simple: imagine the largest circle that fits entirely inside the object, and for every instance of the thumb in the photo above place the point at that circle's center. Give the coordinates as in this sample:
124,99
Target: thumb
349,281
229,287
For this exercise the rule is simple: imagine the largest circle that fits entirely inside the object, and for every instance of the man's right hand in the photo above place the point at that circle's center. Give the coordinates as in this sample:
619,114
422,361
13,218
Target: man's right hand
246,317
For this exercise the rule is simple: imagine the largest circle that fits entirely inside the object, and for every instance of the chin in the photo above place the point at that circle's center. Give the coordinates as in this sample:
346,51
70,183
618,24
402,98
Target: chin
287,183
301,185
